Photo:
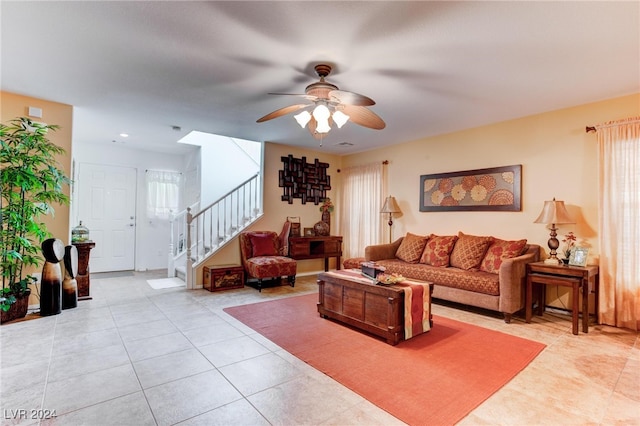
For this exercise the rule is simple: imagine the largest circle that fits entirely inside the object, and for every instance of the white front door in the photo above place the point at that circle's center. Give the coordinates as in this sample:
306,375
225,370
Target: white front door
107,207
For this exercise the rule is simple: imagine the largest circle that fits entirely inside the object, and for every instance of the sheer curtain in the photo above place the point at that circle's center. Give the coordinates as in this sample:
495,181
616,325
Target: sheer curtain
361,201
619,222
163,193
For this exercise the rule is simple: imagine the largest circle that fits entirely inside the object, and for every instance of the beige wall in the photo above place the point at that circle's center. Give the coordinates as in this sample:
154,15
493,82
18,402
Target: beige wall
52,113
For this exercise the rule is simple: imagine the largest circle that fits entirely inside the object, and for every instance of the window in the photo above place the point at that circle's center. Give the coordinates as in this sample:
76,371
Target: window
163,193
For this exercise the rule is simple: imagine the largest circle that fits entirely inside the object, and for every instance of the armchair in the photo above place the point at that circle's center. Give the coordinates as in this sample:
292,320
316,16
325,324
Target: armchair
263,256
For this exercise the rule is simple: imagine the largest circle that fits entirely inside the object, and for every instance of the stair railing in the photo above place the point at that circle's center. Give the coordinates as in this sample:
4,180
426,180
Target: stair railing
215,225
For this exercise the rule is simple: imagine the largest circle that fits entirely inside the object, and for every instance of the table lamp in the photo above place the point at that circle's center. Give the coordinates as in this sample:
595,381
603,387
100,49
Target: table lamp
553,213
390,207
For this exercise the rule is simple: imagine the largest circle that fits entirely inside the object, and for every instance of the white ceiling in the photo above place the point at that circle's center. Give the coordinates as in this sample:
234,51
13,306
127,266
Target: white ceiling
432,67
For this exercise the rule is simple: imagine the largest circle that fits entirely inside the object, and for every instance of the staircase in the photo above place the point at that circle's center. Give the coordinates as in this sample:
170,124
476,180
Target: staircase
197,234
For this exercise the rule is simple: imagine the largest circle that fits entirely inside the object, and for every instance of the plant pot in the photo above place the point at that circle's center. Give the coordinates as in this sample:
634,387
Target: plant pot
565,262
17,310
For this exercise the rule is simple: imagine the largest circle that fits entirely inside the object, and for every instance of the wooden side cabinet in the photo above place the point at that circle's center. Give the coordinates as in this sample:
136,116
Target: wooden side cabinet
301,248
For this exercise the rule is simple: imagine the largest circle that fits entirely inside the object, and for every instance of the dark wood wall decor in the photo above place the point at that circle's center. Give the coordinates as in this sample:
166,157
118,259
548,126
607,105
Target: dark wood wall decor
306,181
494,189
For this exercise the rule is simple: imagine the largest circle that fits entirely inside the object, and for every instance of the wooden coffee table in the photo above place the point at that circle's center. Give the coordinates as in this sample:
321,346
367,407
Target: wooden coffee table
360,303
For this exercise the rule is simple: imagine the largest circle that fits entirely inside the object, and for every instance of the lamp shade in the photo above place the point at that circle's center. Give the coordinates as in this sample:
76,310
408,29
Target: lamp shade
554,212
340,118
303,118
390,206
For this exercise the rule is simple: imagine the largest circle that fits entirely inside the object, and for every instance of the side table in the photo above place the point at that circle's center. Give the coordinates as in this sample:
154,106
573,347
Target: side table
82,277
578,278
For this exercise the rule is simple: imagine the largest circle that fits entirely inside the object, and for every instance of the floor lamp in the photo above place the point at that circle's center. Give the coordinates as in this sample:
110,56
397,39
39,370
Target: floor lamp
554,213
390,207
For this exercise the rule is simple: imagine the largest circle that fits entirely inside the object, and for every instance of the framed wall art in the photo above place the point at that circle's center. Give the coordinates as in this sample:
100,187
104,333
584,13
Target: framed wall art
308,182
493,189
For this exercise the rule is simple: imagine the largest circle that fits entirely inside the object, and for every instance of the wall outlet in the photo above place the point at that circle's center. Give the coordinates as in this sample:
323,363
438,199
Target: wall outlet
37,276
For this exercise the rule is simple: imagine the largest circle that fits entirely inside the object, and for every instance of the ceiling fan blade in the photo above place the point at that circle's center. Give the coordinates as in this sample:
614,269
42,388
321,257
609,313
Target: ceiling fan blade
363,116
302,95
350,98
280,112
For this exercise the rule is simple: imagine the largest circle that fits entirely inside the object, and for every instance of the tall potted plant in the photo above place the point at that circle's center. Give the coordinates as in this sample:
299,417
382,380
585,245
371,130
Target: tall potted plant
32,182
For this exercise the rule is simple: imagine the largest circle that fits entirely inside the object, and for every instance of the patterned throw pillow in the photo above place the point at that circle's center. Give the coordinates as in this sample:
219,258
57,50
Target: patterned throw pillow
263,245
438,249
411,248
469,251
499,251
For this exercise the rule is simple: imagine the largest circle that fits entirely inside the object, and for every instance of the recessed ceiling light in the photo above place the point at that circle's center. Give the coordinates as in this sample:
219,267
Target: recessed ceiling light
344,144
124,135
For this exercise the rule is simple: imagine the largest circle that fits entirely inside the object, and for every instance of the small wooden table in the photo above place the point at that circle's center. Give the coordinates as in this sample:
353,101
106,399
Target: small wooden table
376,309
576,277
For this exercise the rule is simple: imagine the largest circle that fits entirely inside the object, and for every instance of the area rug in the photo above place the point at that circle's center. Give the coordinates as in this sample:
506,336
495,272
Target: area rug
166,283
436,378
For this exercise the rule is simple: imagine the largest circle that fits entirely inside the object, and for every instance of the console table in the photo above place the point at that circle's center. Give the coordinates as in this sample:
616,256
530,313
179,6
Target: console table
577,277
301,248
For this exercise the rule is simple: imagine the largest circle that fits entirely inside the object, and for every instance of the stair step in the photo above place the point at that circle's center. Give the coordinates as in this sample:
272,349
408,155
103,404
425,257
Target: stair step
181,272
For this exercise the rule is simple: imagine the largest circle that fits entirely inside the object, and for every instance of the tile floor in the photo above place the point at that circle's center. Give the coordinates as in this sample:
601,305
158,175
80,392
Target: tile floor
138,356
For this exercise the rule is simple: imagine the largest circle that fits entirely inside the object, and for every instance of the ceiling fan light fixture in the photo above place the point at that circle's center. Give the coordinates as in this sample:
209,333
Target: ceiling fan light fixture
323,126
327,106
303,118
340,118
321,113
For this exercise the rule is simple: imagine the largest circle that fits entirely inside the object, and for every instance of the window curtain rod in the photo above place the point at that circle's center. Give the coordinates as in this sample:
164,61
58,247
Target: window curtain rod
384,163
604,126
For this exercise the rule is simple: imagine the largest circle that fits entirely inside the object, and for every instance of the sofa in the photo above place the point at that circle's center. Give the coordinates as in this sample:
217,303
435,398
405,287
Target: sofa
481,271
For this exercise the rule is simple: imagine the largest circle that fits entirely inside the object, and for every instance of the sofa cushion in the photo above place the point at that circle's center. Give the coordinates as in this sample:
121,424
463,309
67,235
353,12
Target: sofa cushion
475,281
469,251
271,267
263,245
438,249
500,250
411,248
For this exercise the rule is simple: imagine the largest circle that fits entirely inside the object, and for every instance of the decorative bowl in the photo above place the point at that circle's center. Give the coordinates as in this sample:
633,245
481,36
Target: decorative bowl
389,279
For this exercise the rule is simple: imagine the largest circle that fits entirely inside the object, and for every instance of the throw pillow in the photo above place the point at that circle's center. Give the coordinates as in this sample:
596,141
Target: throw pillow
438,249
411,248
498,252
263,245
469,251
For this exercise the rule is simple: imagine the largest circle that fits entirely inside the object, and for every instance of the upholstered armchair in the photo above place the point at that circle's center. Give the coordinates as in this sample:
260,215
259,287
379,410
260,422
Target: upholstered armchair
264,256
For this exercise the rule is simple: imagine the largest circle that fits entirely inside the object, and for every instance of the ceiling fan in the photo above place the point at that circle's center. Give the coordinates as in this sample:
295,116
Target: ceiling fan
330,105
